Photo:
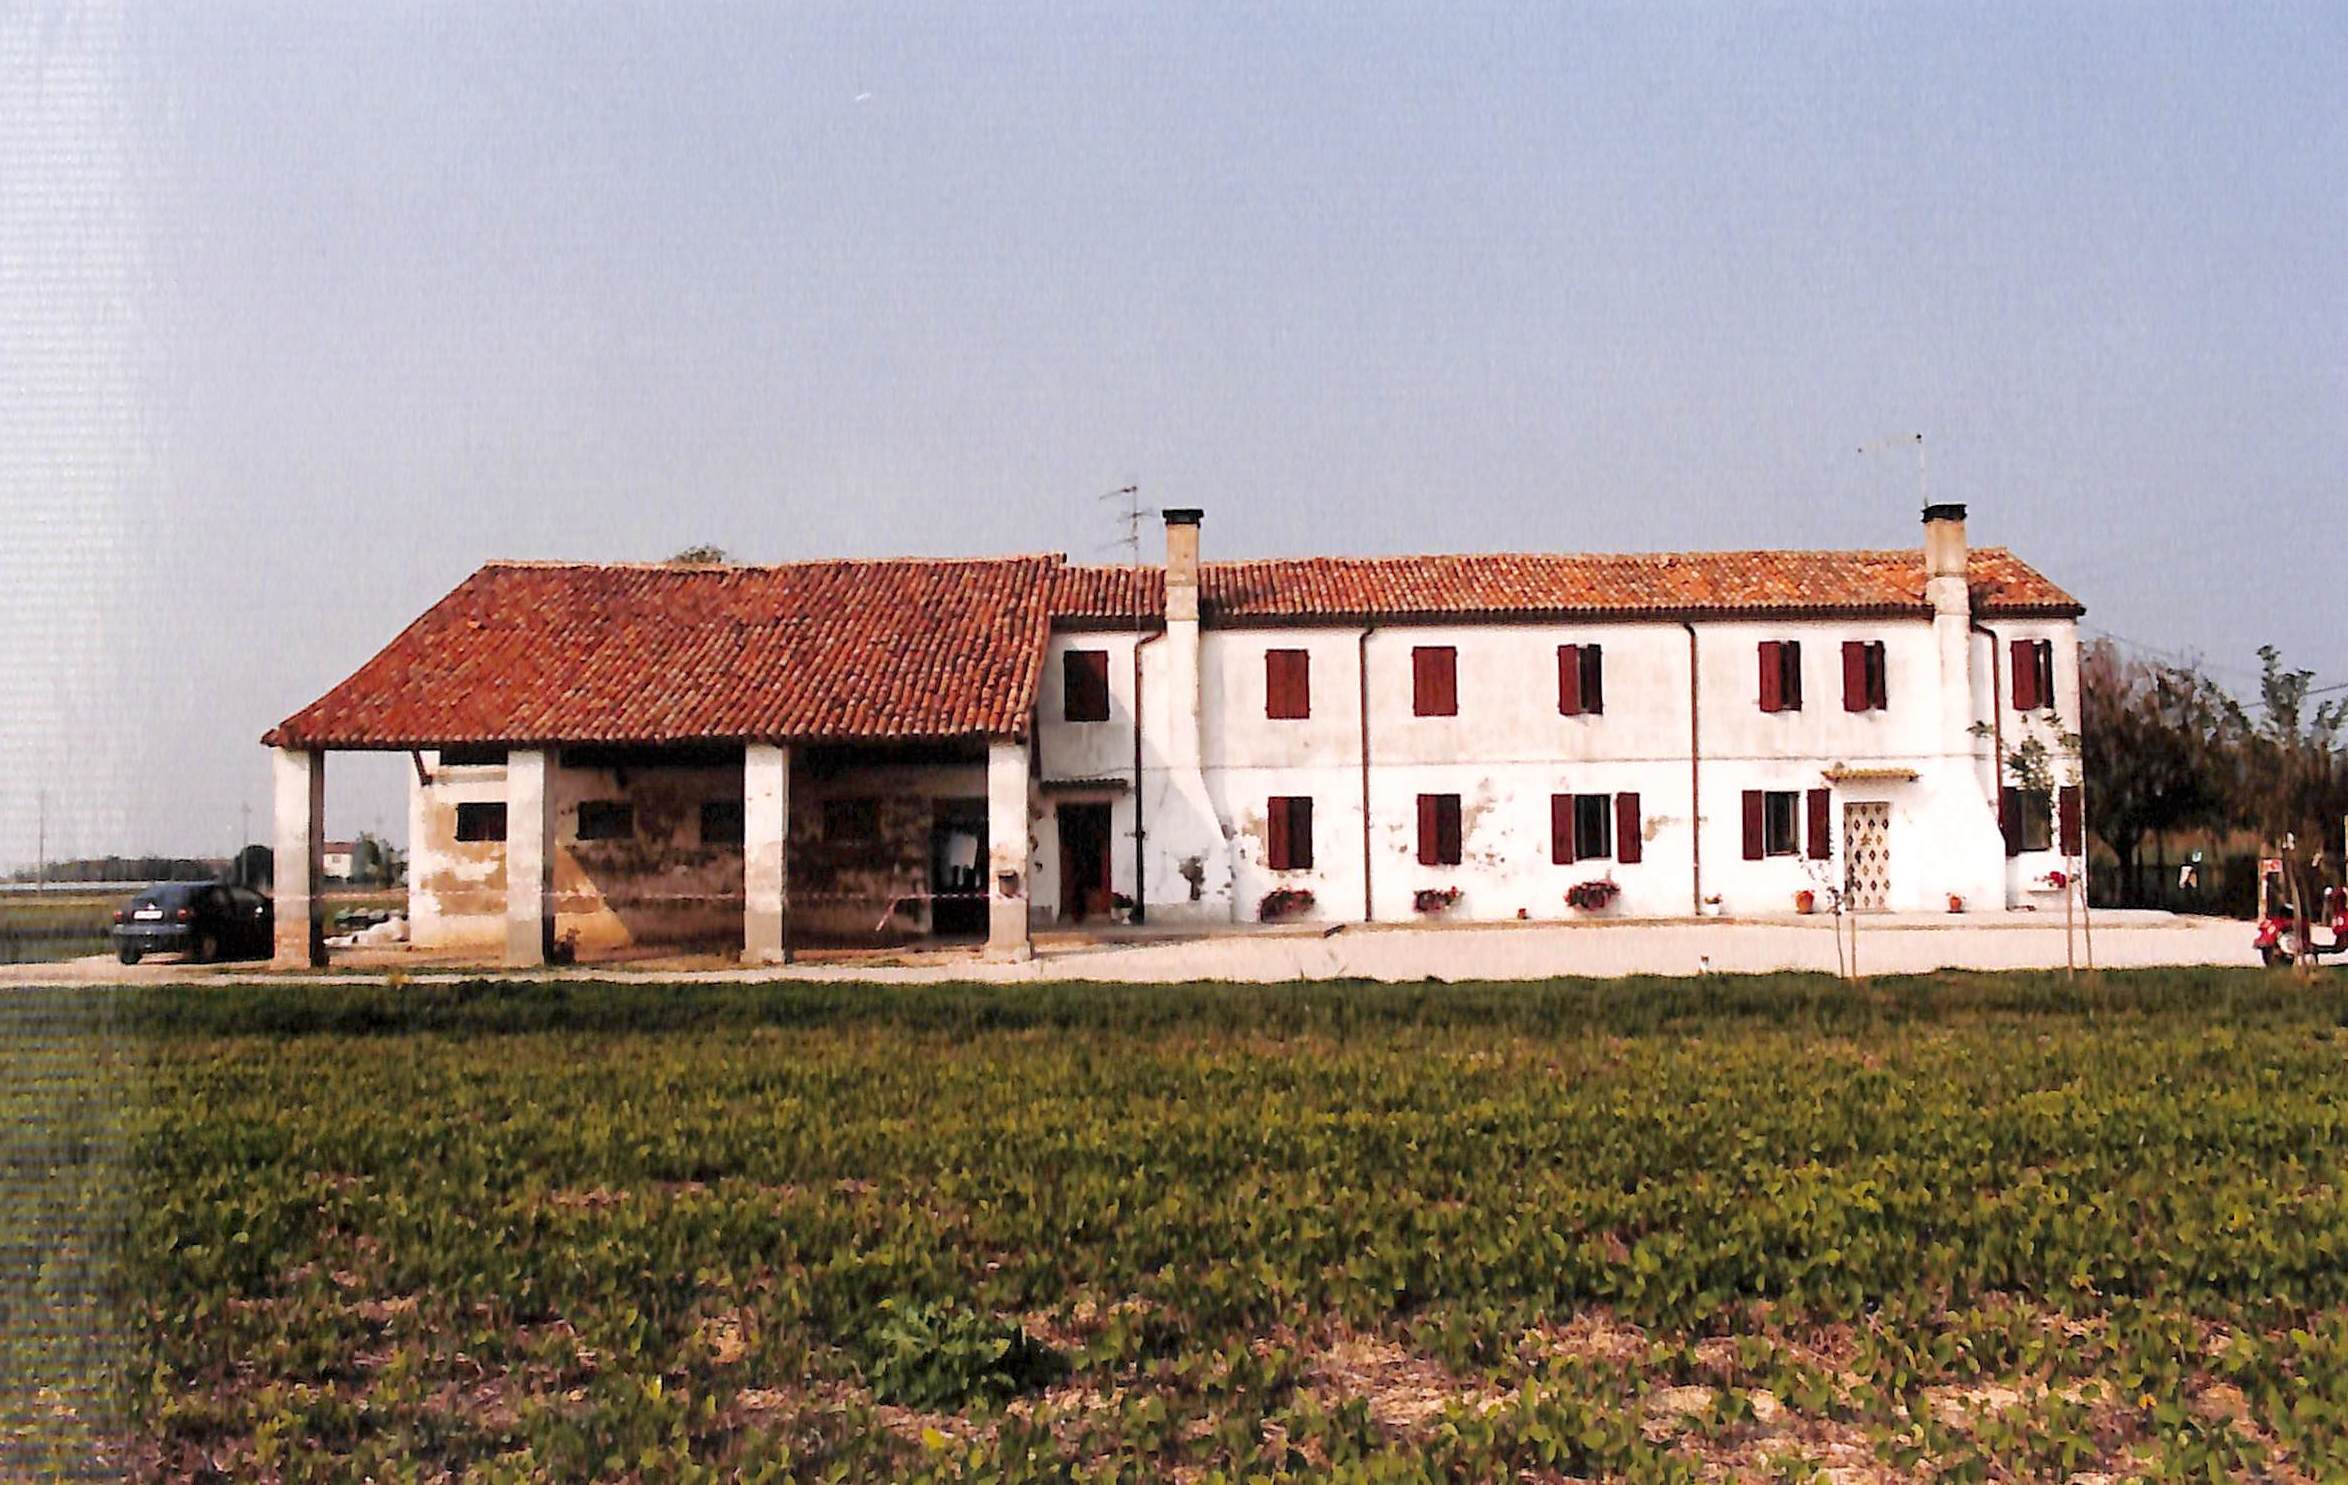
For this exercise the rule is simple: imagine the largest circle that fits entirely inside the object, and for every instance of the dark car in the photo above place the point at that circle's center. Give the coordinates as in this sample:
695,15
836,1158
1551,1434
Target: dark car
204,920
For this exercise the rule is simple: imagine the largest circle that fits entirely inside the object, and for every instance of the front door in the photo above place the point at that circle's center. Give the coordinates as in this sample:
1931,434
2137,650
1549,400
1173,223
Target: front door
1084,862
1867,856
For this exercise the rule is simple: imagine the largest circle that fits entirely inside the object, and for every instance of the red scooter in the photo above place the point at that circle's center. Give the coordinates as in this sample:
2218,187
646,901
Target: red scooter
2278,932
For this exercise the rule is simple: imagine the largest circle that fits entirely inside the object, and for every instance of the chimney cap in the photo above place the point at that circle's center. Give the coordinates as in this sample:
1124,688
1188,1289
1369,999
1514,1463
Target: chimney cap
1183,517
1948,511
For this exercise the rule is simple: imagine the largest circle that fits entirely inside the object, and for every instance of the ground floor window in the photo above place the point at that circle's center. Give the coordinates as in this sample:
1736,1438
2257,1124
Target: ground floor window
721,822
606,819
1781,823
1289,821
1439,830
2029,820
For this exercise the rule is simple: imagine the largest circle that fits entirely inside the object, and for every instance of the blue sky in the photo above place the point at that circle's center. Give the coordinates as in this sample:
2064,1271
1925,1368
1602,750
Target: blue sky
329,304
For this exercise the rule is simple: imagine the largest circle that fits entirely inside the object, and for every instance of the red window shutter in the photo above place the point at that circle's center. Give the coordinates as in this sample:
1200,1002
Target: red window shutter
2009,819
1755,807
2025,685
1772,689
1627,845
1569,680
2073,826
1300,833
1288,690
1434,681
1561,829
1821,824
1447,841
1855,698
1430,849
1276,823
1593,669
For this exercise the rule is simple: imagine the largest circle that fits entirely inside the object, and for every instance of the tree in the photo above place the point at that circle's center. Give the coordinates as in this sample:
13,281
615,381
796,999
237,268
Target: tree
2151,751
704,555
376,861
2289,782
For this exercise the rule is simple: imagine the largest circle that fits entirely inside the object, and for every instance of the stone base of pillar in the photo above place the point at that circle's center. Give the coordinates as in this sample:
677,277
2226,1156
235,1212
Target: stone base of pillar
1007,940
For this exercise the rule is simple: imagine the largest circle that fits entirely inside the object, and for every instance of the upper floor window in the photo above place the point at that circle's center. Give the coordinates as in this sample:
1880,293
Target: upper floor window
1439,830
1581,680
1866,679
481,820
2033,684
606,819
1781,675
1084,686
1434,681
1288,684
1289,831
472,755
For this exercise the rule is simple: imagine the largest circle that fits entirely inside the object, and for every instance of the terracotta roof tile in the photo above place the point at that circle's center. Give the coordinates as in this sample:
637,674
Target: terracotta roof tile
1512,584
522,652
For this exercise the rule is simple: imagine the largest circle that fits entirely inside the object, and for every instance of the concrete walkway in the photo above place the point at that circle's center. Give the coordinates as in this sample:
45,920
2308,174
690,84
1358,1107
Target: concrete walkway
1400,952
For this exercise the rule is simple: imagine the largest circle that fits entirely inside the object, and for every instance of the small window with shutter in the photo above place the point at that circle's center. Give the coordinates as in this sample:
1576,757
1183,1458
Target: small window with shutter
1084,686
1288,685
1781,675
1434,681
1773,823
1866,682
1439,830
1289,829
2033,680
1594,827
1581,680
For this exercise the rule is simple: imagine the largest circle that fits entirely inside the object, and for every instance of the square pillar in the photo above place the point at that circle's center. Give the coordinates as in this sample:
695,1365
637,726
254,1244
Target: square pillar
1006,834
299,786
766,852
529,857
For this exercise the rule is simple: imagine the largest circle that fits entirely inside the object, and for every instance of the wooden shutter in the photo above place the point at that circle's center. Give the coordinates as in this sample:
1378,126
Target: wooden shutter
1878,676
1756,812
1447,840
1569,680
1300,833
1789,656
1288,691
1627,845
2073,826
1276,847
1593,669
1561,829
1430,827
1821,824
1434,681
1772,677
1855,688
2025,685
2009,819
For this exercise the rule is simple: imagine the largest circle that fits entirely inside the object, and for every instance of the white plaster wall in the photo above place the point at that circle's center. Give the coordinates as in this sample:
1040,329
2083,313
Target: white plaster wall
1086,750
2024,873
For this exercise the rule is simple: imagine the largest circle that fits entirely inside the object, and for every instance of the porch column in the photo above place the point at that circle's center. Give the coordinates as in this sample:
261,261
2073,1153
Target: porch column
766,851
300,790
1006,834
529,856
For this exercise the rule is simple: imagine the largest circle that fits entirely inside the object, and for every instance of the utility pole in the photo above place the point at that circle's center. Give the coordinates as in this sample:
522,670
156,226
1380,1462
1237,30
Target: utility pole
1131,513
41,871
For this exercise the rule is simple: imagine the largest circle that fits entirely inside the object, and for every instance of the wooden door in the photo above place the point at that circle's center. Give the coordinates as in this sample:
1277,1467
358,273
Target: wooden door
1084,862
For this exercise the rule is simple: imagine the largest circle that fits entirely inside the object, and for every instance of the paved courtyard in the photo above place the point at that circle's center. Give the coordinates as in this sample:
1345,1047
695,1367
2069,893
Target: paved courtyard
1885,945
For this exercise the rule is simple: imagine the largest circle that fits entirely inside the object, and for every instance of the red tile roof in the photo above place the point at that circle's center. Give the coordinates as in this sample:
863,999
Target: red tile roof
1636,585
930,648
812,651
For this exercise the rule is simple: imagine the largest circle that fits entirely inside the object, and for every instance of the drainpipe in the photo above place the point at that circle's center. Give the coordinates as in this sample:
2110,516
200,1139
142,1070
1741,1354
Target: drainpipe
1140,837
1695,776
1997,725
1362,673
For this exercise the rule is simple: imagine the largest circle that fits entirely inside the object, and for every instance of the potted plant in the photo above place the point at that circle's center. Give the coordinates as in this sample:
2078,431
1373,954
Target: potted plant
1433,900
1592,896
1120,908
1285,902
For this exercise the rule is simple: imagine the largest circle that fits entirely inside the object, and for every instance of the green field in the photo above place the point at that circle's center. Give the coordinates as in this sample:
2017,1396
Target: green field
1994,1227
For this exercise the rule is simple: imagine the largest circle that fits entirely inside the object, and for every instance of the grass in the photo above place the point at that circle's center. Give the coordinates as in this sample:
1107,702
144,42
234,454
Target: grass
1976,1226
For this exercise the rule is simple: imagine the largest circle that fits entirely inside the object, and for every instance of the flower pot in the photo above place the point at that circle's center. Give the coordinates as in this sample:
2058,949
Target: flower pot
1805,901
1956,903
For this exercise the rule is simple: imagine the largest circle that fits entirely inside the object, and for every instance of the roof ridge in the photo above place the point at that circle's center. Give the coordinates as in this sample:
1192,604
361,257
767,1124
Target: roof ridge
541,564
1706,553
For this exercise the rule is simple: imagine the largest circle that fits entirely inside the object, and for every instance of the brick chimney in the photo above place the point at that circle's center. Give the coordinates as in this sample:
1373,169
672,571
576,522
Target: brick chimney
1182,657
1951,597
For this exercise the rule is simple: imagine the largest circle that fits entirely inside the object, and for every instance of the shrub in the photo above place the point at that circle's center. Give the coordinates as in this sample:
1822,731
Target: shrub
931,1357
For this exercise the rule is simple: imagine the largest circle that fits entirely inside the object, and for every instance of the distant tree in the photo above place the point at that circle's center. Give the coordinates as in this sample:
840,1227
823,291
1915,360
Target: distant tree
700,556
376,862
255,866
2289,780
2152,752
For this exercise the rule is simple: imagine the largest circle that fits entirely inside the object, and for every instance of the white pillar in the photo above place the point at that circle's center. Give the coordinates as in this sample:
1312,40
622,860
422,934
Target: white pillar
766,855
300,789
529,856
1006,832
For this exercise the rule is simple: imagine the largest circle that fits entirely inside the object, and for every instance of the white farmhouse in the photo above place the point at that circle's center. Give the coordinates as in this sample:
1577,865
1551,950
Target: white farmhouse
762,758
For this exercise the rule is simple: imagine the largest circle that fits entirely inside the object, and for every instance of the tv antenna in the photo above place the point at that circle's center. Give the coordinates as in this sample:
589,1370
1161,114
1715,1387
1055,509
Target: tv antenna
1887,444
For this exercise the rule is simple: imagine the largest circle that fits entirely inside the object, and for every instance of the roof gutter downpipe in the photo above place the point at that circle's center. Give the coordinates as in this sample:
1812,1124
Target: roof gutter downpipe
1141,896
1695,778
1362,673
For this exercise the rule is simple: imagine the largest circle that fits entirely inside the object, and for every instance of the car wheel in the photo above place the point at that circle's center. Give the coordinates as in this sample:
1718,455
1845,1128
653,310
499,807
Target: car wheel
207,949
128,954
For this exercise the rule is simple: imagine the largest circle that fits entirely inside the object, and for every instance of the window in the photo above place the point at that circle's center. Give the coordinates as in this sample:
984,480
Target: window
606,819
1781,826
470,755
1866,686
2028,818
1773,823
2033,683
1781,675
721,822
477,822
851,822
1289,823
1594,827
1288,684
1084,686
1581,680
1434,681
1438,830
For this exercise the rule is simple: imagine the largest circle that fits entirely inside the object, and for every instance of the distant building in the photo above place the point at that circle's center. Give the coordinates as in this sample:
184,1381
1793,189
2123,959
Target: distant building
631,754
337,860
